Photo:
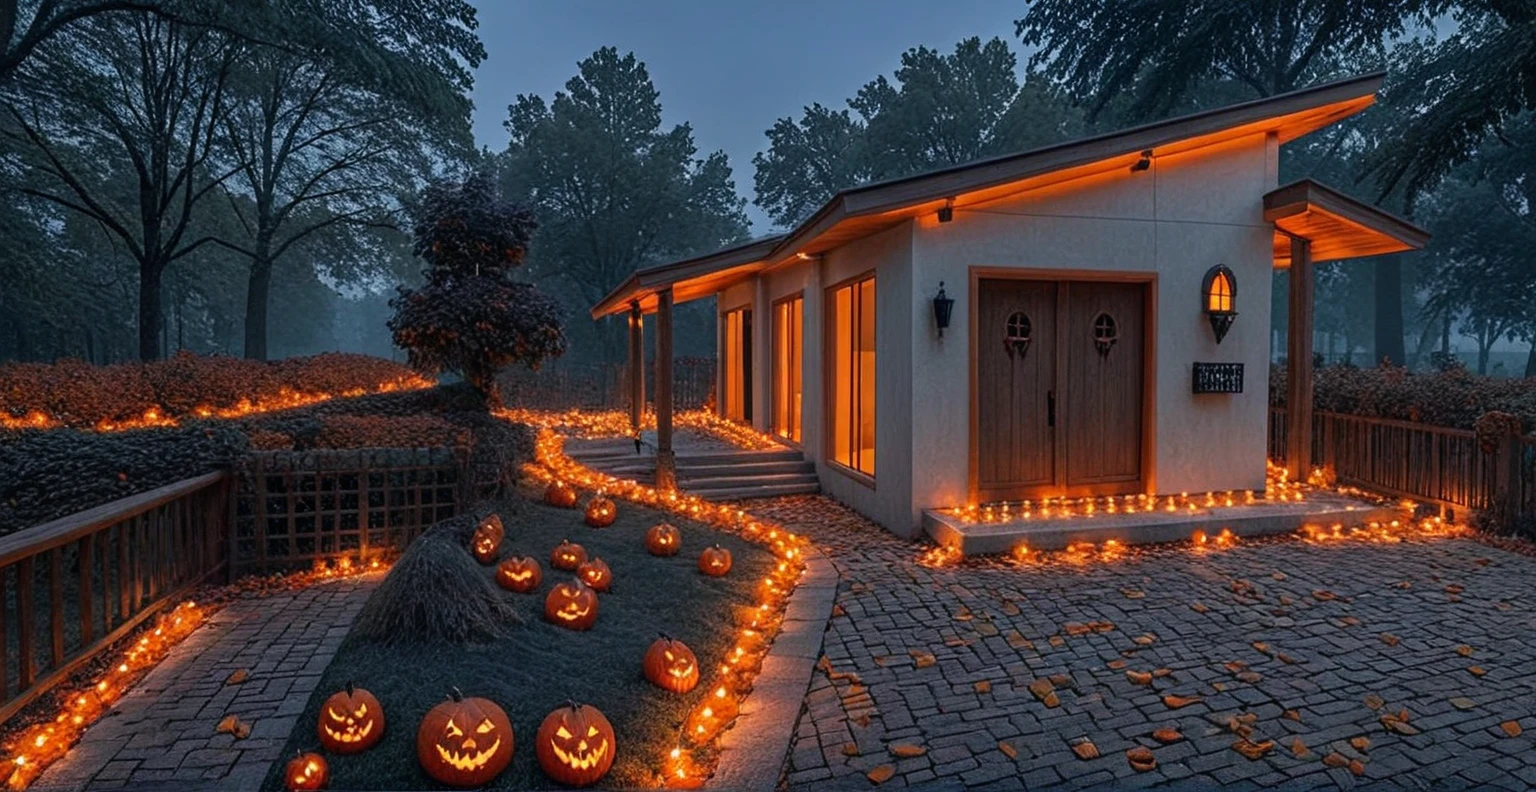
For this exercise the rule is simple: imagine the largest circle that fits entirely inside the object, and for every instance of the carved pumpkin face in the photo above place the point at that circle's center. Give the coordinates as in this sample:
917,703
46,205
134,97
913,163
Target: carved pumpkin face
715,561
671,665
485,544
560,494
575,745
519,574
663,540
601,512
351,721
567,555
595,573
464,742
306,771
571,605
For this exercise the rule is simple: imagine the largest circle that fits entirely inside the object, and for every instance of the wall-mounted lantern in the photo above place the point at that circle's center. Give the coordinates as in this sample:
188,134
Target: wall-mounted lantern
943,306
1218,297
947,211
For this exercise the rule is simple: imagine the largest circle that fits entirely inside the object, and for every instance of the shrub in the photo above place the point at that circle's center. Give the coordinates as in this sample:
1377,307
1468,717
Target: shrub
1452,397
437,594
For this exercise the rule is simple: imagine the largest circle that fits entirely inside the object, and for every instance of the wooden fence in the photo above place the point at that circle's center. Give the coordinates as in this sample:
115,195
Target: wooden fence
74,586
605,386
1434,464
293,507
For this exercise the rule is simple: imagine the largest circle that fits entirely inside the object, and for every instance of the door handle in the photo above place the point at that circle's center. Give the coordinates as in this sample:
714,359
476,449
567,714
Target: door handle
1050,408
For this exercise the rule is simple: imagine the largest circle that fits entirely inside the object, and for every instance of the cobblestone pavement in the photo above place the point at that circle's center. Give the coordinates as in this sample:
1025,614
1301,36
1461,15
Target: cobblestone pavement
161,734
1338,665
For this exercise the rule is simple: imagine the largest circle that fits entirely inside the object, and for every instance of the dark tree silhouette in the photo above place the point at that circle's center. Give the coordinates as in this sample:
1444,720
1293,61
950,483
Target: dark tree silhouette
471,317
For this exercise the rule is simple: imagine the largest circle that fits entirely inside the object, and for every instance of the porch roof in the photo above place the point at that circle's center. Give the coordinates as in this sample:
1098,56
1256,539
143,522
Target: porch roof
1338,226
867,209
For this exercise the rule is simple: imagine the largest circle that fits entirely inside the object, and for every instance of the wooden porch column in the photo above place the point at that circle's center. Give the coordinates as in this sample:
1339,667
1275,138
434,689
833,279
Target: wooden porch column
636,367
1298,371
666,463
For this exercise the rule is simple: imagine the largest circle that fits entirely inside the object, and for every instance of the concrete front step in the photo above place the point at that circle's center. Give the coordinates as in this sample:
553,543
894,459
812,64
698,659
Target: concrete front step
746,469
738,457
737,482
748,493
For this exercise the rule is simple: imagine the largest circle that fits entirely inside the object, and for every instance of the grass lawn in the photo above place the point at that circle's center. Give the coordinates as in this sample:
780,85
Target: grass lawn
540,665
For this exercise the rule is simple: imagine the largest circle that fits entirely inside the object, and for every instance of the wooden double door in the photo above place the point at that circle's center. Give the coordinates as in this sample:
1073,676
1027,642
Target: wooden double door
1060,388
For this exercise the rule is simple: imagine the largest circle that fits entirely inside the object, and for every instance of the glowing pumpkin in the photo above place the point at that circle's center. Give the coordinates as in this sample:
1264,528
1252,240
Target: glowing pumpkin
351,721
595,573
715,561
663,540
575,745
485,543
567,555
601,511
560,494
464,742
670,665
306,771
571,605
519,574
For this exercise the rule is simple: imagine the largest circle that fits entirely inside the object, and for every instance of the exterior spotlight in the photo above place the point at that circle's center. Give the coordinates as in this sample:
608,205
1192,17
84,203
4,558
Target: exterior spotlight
943,306
1143,163
1218,297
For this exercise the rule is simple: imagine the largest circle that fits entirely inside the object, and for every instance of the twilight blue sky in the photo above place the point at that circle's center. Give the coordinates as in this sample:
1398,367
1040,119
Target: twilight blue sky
728,67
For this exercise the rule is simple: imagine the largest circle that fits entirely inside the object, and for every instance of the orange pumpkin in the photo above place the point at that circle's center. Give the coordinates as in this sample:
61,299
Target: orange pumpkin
670,665
663,540
464,742
485,543
715,561
575,745
595,573
351,721
567,555
306,771
571,605
560,494
519,574
601,511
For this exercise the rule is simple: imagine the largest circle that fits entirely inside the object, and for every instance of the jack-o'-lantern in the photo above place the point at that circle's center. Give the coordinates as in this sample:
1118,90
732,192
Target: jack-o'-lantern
663,540
464,742
715,561
575,745
306,771
560,494
671,665
351,721
519,574
595,573
601,511
485,543
567,555
492,523
571,605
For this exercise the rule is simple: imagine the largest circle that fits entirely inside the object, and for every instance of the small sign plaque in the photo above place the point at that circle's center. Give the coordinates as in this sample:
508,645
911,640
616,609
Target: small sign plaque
1218,378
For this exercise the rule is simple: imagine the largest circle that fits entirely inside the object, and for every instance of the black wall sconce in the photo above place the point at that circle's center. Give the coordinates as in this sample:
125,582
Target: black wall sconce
943,307
947,211
1218,298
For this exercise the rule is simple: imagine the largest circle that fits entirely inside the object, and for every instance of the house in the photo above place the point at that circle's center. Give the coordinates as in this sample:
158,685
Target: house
1109,325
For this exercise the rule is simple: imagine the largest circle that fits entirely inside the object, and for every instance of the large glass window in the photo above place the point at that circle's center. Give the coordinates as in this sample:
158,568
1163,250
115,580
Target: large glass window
737,359
788,348
851,350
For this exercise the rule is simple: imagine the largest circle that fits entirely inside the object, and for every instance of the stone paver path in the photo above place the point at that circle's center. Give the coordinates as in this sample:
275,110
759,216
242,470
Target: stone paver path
1312,654
162,733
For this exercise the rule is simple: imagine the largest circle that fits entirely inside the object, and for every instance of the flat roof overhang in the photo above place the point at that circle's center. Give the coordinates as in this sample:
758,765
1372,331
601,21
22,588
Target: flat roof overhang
860,211
1338,226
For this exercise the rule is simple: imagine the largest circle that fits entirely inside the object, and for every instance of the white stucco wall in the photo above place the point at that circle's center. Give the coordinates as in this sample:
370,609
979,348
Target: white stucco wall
1186,214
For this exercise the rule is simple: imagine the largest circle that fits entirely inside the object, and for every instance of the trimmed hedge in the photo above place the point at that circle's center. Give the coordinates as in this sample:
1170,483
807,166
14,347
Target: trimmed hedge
1453,398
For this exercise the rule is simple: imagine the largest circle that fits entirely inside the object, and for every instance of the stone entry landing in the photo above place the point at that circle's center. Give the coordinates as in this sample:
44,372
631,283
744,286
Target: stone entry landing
1152,527
707,467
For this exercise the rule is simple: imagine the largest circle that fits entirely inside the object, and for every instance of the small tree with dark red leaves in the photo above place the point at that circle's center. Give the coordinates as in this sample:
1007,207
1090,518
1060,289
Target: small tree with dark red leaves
471,317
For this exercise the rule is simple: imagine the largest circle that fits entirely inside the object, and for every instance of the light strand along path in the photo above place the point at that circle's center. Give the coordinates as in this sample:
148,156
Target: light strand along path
161,734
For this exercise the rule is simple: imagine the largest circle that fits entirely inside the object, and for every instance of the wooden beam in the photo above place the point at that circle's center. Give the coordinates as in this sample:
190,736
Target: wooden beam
636,367
666,463
1298,372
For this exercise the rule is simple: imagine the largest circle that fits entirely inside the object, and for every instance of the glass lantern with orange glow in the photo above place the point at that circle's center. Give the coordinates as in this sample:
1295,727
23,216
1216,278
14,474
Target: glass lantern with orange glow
1218,298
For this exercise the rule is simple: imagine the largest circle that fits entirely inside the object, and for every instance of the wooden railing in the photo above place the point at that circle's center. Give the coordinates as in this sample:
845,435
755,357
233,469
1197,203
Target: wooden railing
75,585
1434,464
605,386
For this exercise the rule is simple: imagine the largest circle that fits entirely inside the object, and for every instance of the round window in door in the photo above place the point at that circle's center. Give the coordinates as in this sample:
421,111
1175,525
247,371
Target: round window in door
1016,334
1105,333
